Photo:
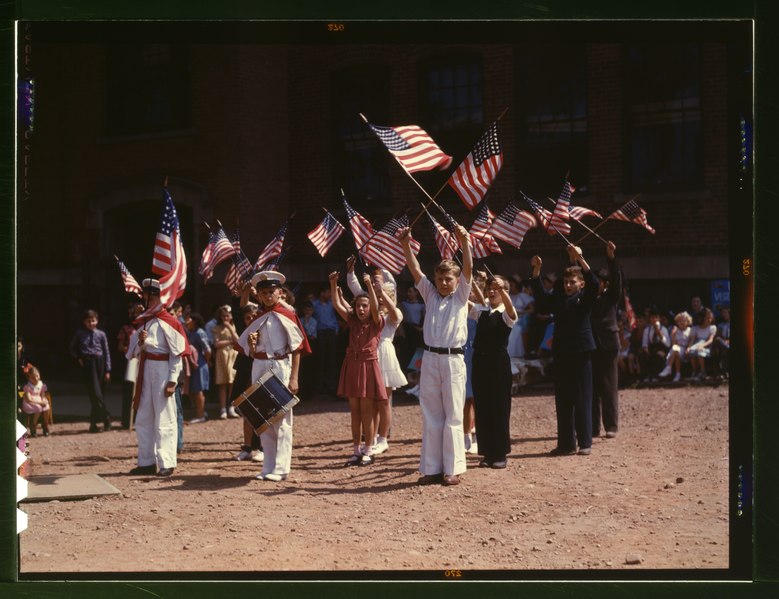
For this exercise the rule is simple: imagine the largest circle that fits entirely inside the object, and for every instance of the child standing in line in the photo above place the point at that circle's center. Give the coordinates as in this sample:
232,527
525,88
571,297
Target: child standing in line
361,380
492,373
469,412
573,345
34,400
224,360
391,372
680,338
442,380
701,339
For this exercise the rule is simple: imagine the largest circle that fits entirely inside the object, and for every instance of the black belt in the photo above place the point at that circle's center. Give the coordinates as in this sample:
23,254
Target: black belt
445,350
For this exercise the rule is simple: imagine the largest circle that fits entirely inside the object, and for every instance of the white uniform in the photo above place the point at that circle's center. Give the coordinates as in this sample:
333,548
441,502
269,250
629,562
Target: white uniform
275,340
155,422
442,380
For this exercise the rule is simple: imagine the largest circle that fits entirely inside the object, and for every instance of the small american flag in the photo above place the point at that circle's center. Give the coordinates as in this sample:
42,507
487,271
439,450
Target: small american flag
633,213
218,249
483,242
384,249
561,213
474,176
169,260
577,212
130,284
362,230
543,215
413,147
273,249
446,241
512,224
325,234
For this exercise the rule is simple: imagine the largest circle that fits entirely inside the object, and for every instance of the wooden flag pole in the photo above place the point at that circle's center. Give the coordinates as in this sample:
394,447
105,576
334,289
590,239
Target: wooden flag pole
591,231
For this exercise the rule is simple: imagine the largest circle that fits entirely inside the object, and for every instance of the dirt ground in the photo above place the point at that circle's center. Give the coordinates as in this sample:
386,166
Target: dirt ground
655,497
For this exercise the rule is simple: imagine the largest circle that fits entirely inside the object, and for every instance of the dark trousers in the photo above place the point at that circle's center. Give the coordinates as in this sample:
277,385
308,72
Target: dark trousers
327,373
573,400
94,381
492,403
605,397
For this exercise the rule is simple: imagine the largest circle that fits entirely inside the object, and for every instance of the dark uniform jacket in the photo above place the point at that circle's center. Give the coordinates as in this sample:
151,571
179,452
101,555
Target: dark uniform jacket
572,328
604,312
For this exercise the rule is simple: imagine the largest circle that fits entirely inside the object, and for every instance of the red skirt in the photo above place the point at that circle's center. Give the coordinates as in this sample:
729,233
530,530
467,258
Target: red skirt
361,378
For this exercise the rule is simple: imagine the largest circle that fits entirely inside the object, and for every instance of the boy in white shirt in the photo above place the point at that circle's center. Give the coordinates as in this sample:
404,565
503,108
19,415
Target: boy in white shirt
442,380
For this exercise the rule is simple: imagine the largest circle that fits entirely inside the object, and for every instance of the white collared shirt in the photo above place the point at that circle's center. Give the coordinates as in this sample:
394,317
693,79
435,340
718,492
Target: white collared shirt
445,317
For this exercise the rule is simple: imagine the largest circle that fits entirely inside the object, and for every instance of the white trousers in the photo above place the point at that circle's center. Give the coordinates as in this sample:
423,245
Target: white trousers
155,422
276,439
442,399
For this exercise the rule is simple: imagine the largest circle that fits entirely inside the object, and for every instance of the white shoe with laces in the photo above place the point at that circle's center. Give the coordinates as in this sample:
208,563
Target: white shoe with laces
231,413
381,446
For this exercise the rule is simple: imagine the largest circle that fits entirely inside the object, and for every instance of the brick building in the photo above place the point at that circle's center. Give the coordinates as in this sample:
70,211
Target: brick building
251,124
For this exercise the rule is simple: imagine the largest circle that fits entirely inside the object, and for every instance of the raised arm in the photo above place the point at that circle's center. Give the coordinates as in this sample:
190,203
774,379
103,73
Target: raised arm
404,235
374,301
504,295
464,239
352,282
576,256
335,296
395,315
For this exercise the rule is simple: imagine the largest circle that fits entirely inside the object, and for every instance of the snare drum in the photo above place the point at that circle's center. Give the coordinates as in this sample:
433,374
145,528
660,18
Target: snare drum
265,402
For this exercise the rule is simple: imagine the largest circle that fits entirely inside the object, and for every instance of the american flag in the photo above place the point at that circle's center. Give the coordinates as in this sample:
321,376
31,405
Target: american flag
543,215
384,249
474,176
445,240
273,249
362,230
483,242
413,147
633,213
577,212
561,213
218,249
512,224
240,270
325,234
169,260
130,284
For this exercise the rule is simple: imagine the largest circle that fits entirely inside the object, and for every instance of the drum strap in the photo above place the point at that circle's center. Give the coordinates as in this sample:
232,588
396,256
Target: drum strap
139,381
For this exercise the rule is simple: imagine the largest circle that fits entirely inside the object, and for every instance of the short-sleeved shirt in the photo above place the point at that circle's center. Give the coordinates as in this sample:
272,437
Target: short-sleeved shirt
445,317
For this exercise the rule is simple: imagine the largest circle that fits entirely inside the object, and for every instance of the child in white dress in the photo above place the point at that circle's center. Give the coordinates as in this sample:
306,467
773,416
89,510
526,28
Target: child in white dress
680,339
34,401
701,339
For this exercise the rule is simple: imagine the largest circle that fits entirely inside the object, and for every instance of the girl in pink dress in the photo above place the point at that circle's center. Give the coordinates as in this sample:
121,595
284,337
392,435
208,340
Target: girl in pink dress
361,379
34,401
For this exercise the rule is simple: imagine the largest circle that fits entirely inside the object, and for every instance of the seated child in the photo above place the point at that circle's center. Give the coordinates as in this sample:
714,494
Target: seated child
34,401
680,338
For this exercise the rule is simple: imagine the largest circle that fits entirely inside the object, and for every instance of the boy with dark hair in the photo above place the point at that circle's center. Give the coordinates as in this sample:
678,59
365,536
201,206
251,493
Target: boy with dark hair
572,348
89,347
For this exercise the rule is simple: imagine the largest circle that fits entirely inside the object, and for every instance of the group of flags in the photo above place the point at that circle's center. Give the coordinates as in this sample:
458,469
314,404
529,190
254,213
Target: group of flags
415,151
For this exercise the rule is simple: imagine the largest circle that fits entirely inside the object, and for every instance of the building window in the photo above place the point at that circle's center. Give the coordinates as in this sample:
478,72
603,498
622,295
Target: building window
452,101
552,120
148,89
663,111
361,159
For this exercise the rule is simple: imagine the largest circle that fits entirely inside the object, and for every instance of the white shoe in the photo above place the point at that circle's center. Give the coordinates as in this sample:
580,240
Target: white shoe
257,456
677,377
272,477
244,455
665,372
413,390
473,449
197,420
231,413
380,447
223,414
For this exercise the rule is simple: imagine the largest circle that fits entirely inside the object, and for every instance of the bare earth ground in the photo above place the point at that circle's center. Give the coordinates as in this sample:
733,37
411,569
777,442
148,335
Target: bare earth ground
655,497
